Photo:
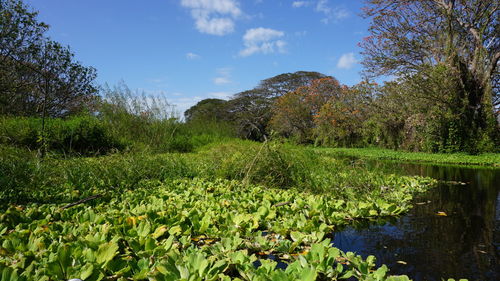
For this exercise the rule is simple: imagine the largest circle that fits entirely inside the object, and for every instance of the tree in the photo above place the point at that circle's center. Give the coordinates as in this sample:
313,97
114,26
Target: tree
38,76
390,110
207,110
410,37
294,113
281,84
20,34
65,87
292,117
342,118
251,110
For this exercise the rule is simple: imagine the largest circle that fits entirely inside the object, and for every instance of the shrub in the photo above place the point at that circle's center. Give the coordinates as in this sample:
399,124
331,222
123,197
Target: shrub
84,135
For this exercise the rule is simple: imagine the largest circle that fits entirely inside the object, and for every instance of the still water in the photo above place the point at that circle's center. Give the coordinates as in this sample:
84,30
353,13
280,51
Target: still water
453,231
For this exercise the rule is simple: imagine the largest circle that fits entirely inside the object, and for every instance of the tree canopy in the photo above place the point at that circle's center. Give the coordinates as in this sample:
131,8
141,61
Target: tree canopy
37,75
426,42
207,109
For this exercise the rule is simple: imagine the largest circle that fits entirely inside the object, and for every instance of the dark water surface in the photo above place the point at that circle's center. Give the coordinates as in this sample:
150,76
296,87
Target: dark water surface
426,246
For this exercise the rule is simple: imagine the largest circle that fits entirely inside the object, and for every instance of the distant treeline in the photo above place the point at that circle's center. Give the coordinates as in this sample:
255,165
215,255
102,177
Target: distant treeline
443,59
443,95
312,108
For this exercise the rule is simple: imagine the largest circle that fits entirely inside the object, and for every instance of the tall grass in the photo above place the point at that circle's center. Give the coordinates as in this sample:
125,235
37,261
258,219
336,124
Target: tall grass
25,178
152,124
125,121
84,135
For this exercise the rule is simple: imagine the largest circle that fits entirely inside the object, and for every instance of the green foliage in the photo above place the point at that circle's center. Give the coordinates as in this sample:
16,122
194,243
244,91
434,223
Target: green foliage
485,159
209,215
208,109
38,76
150,123
187,229
26,178
450,73
83,135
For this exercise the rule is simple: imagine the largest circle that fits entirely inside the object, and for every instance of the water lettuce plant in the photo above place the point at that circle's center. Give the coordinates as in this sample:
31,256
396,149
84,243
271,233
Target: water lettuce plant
191,229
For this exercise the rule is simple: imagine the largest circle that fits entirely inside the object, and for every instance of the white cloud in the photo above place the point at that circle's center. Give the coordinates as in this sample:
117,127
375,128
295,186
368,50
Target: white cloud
224,76
262,40
221,80
331,14
214,17
192,56
347,61
298,4
340,13
322,6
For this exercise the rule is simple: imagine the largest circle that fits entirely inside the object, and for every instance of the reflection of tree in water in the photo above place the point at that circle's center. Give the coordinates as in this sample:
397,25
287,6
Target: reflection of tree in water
459,245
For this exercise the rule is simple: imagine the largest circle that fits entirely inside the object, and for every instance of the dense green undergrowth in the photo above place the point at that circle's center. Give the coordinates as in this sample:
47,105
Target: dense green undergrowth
88,135
26,178
190,230
213,214
485,159
219,213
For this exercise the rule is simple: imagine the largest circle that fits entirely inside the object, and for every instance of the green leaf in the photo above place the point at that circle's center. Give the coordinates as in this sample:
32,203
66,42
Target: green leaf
347,275
159,231
9,274
308,274
296,236
168,243
143,229
175,230
86,271
398,278
64,256
380,273
107,252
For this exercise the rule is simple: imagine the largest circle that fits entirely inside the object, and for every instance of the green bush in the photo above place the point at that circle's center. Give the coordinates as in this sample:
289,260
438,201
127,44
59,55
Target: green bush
84,135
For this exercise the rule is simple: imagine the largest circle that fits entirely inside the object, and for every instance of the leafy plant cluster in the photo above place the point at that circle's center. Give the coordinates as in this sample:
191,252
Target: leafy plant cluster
192,229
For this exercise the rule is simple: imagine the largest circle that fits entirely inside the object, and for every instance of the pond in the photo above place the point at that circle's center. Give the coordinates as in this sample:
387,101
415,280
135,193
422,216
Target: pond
453,231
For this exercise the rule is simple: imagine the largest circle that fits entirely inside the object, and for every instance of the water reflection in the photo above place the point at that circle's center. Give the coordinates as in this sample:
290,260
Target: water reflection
463,244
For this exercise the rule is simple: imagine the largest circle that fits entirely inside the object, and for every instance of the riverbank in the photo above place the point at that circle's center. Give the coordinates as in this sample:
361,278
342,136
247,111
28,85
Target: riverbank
487,159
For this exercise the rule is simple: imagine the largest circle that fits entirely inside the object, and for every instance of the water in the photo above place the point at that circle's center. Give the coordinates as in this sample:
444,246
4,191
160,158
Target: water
426,246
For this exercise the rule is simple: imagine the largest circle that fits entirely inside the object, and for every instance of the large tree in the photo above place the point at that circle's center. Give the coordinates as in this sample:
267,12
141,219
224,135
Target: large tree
63,86
207,110
281,84
251,110
20,34
294,113
37,75
413,37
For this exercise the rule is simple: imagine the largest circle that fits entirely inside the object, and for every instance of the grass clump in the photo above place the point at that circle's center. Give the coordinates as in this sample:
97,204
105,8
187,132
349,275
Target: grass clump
485,159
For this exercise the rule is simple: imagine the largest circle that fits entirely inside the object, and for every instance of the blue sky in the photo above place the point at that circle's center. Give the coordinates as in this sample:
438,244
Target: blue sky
188,50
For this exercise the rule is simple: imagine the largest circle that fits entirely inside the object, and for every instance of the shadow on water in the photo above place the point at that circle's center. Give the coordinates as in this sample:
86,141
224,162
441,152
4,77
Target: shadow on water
426,244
